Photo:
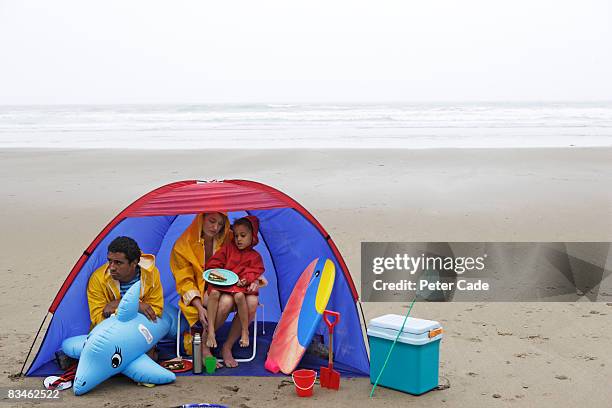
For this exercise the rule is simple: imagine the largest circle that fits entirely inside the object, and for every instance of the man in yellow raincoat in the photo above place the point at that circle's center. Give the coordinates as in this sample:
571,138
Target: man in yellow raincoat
126,265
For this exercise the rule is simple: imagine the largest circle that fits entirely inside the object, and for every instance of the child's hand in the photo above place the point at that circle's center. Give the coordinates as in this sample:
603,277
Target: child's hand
254,286
242,283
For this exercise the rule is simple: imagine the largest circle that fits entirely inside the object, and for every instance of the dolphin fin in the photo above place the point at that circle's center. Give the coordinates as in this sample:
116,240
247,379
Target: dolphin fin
72,346
128,307
145,370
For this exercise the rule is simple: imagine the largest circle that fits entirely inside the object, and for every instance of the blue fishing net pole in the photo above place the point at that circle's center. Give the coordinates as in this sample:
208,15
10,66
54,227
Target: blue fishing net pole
392,346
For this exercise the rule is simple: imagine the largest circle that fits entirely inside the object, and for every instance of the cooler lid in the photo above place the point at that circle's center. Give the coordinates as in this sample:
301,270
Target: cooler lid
413,325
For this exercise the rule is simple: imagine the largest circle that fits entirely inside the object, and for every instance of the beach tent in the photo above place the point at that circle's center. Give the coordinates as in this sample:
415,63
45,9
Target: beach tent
290,238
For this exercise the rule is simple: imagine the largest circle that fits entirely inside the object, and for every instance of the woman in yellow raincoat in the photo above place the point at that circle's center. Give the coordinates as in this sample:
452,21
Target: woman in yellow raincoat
205,236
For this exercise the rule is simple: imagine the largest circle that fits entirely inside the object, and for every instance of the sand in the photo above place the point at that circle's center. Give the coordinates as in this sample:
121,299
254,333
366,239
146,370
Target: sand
526,354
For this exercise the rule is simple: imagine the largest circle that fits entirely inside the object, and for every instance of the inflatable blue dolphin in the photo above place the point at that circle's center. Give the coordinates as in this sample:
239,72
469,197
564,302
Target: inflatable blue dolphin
118,345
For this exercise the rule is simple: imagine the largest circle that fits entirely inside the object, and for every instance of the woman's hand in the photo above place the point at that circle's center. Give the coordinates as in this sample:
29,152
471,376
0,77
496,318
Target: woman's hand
262,281
202,314
203,317
241,283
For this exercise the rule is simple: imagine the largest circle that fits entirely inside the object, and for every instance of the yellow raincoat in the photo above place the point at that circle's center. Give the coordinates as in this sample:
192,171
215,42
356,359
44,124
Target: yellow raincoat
102,289
187,264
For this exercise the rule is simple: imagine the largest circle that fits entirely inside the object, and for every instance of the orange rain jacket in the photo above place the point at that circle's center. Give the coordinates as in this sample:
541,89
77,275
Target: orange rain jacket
187,264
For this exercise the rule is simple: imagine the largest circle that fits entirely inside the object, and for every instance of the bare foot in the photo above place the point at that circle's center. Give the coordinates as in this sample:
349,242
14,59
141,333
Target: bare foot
244,339
228,358
211,340
207,353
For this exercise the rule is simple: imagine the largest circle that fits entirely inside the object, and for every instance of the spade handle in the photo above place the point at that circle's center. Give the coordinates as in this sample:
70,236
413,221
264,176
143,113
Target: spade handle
330,325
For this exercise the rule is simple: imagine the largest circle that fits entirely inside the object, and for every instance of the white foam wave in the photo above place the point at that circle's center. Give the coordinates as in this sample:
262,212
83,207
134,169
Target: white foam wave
290,125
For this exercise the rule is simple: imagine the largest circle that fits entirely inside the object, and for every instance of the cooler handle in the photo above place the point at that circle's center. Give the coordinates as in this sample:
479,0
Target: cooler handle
435,332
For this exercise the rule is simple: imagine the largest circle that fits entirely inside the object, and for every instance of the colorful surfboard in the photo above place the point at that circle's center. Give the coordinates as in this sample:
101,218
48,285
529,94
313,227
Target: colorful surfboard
301,317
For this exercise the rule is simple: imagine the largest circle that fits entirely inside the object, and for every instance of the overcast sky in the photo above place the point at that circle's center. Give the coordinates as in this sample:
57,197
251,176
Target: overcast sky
133,51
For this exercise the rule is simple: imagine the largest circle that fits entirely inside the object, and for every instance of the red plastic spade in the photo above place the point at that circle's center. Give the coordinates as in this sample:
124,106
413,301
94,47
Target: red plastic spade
330,378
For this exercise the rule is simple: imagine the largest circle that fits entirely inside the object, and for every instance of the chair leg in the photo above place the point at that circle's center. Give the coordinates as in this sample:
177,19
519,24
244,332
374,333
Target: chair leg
178,334
263,319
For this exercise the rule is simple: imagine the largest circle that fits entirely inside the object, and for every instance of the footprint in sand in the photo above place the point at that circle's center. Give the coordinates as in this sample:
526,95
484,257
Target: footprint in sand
536,337
586,358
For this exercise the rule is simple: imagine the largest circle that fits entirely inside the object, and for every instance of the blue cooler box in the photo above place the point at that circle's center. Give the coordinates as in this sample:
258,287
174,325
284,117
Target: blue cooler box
413,364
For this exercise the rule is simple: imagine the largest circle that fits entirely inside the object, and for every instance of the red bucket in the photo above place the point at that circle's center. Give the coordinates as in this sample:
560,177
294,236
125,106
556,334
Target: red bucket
304,381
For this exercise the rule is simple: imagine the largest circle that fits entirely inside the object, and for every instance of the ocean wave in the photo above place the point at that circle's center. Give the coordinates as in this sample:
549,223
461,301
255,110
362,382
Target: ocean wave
306,125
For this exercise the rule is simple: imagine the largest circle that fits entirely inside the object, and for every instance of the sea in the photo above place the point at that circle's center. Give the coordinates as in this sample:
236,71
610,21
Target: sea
271,126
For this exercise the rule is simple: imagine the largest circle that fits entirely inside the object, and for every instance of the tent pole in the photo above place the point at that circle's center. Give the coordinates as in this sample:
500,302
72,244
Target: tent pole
32,346
364,323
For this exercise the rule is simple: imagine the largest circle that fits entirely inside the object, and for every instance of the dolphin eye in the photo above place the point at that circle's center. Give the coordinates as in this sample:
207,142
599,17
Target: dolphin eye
116,359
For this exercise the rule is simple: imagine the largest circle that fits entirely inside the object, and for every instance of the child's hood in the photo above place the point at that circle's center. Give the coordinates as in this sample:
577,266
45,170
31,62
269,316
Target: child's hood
255,224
